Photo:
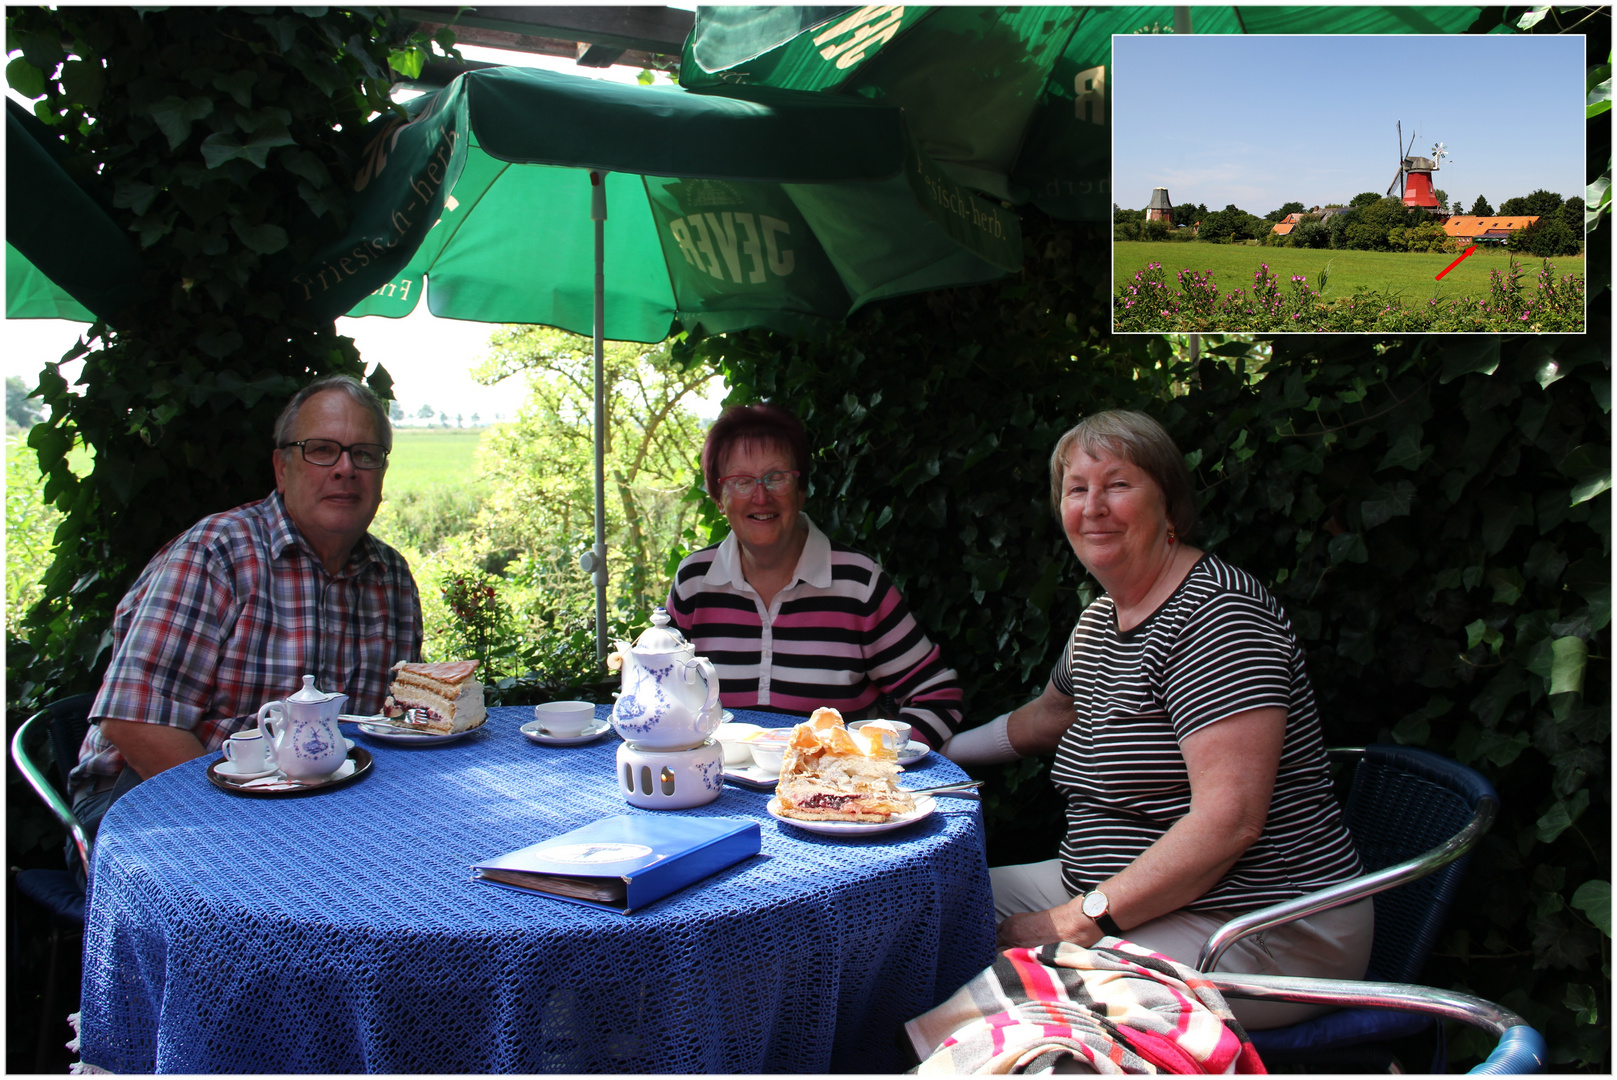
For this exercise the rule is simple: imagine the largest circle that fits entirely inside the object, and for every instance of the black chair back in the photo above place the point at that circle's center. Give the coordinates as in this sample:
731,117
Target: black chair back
67,721
1404,802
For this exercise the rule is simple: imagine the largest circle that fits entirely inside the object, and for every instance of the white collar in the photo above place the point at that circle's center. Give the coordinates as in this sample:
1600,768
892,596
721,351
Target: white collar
813,565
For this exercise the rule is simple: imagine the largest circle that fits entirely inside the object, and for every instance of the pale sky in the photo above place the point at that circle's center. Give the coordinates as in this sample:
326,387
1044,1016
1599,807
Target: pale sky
430,359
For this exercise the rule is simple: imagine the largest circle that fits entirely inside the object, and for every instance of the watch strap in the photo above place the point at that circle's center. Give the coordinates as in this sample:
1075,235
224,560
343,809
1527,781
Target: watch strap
1103,920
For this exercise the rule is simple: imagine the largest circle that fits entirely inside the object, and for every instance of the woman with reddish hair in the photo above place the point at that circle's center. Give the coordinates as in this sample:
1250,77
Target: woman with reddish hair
792,620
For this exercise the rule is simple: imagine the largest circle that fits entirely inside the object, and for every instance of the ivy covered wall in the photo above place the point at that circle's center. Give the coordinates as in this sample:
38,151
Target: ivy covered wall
226,141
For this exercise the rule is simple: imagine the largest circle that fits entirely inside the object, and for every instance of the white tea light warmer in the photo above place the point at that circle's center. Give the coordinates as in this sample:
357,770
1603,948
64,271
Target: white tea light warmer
668,707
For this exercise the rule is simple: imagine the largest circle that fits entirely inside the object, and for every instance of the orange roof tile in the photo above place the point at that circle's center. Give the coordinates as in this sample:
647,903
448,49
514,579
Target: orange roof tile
1476,226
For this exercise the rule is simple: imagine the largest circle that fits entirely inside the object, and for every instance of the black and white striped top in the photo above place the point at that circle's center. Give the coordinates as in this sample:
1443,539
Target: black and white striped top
1220,645
839,635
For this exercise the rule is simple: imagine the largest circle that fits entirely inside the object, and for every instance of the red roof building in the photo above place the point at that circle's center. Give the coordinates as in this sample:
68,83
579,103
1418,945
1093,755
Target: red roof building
1288,223
1485,229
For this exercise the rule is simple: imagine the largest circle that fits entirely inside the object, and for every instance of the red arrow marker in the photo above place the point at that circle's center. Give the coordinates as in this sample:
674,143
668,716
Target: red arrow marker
1457,262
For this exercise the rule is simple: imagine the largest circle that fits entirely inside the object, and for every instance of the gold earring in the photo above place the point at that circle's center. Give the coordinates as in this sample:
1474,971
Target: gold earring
1171,537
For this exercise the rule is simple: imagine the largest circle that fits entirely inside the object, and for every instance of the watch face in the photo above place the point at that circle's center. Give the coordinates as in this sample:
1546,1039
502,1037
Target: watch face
1095,904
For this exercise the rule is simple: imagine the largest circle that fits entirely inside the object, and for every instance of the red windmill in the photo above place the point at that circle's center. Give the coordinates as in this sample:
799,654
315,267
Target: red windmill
1414,177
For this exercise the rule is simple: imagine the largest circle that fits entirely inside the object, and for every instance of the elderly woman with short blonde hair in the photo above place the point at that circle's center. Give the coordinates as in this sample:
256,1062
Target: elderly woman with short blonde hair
1186,736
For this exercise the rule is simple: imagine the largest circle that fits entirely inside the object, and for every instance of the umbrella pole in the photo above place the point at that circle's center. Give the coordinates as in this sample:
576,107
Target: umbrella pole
598,215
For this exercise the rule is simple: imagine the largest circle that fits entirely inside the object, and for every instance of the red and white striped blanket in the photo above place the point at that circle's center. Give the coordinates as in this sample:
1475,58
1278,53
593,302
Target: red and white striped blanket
1115,1008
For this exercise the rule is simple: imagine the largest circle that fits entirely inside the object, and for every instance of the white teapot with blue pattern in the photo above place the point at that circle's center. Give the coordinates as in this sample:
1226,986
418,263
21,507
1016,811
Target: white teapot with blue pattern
301,732
670,696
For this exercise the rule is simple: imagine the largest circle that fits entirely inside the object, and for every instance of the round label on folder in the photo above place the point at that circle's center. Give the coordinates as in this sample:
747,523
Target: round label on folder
595,853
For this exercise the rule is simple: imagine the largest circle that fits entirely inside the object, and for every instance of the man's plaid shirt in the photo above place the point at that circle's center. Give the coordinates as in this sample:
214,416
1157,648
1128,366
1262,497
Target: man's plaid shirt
231,614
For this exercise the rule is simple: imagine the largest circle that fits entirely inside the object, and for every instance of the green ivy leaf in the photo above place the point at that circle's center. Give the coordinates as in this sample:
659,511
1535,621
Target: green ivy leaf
305,164
265,239
83,83
1464,355
1348,547
219,148
407,61
1593,898
1561,816
133,195
1532,18
1599,99
1386,504
1507,585
174,116
1571,657
239,85
219,344
25,78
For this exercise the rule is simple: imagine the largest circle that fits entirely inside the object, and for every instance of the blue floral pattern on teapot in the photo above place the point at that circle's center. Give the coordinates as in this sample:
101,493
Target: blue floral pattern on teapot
670,696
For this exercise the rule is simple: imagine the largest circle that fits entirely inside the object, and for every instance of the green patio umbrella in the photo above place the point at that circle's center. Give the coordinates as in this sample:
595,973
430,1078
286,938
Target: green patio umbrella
726,213
621,211
1011,101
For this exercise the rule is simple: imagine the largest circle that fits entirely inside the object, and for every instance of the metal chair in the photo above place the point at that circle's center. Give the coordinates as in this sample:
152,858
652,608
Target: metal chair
1520,1048
58,892
1414,816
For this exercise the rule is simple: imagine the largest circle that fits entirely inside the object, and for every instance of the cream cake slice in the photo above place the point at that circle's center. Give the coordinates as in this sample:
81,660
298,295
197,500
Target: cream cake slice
444,696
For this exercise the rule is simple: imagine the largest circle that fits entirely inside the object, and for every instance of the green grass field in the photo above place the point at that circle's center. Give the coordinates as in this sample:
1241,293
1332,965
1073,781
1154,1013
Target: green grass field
1411,275
432,457
421,458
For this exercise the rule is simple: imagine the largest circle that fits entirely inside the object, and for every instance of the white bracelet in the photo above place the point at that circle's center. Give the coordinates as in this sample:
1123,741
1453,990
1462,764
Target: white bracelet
989,744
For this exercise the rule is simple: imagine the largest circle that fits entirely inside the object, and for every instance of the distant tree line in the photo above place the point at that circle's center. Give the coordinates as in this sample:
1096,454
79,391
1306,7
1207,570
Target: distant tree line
1369,222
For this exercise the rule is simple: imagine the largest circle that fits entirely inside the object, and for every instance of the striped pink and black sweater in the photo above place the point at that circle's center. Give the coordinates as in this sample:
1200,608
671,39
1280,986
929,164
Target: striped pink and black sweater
840,635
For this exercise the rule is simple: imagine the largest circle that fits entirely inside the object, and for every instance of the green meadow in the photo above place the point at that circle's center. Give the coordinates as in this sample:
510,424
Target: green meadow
432,457
421,458
1412,276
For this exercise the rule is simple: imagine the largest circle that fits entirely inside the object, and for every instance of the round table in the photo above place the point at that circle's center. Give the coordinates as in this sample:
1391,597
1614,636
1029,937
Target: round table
341,931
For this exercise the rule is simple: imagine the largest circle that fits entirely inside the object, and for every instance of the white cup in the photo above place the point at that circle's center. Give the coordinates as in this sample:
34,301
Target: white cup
768,748
895,733
565,719
733,741
245,750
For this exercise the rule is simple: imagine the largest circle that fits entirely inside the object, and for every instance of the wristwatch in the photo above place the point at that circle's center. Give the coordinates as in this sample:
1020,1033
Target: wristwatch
1095,907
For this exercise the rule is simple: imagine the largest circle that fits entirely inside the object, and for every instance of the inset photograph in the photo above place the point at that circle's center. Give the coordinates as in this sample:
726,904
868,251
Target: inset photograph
1348,184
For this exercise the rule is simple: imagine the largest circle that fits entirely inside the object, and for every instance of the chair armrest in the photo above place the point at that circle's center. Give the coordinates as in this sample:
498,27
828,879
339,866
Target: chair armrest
47,791
1520,1048
1349,891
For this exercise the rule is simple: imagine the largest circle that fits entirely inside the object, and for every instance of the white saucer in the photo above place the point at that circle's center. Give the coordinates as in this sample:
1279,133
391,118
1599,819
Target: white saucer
389,733
228,770
913,751
757,775
924,805
535,731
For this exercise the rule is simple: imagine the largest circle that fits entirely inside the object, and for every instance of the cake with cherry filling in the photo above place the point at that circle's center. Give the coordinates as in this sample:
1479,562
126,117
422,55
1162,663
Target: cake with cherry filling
441,698
831,774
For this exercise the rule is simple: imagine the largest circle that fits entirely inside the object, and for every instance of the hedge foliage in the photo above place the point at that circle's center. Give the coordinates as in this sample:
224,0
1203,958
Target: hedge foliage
1433,512
226,139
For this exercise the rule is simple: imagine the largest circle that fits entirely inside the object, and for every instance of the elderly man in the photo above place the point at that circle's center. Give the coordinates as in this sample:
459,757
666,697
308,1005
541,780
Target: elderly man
231,613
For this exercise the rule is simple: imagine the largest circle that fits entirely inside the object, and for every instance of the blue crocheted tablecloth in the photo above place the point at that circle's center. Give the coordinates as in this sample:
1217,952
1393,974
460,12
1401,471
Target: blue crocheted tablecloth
341,932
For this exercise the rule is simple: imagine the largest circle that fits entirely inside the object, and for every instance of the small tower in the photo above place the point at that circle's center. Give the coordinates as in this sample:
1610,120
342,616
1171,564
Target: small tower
1160,209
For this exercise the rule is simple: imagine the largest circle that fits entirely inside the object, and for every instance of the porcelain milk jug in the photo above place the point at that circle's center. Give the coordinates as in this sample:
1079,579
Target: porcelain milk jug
301,732
670,696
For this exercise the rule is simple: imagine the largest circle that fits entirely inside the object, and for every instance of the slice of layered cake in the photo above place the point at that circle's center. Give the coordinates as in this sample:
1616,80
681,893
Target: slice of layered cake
442,698
831,774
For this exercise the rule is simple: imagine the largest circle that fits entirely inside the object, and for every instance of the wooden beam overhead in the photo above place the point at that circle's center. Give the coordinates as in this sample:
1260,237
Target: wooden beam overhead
652,30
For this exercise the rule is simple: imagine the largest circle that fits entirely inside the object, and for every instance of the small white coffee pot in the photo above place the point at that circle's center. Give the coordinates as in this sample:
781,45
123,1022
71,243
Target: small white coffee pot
301,732
670,697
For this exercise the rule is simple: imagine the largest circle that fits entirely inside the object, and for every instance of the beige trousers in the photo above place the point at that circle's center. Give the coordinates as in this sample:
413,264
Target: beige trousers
1331,945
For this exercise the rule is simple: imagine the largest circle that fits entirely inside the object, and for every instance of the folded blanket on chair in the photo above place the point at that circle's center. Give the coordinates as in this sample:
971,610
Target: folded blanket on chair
1115,1008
